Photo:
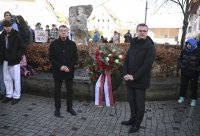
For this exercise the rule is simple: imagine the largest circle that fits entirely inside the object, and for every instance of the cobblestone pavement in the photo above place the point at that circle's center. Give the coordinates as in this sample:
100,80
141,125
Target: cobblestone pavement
33,116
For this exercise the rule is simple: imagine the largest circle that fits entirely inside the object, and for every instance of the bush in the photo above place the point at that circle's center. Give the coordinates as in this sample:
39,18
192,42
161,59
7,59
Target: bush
165,63
37,57
166,60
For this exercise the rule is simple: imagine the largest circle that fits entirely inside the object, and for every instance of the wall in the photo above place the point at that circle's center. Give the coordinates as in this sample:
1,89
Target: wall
42,84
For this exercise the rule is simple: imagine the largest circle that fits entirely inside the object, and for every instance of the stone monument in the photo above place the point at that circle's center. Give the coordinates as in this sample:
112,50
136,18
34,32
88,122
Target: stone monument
78,23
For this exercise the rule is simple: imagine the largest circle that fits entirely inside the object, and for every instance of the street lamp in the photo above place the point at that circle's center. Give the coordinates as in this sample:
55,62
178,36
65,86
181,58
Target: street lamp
146,7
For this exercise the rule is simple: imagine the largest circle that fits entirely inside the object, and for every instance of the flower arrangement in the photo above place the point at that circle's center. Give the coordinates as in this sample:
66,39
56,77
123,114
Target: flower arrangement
107,58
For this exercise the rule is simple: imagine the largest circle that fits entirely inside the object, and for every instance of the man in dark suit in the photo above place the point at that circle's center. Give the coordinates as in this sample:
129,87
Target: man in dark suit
63,57
137,74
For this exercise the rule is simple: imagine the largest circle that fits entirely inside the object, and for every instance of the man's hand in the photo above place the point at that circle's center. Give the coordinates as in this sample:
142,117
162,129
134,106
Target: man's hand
64,68
128,77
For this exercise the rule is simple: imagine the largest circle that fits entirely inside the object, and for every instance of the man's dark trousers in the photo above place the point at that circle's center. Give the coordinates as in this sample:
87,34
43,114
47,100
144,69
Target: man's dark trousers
57,93
185,80
136,99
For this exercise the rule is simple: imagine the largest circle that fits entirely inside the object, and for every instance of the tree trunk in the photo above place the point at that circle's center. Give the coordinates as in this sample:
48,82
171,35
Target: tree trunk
184,29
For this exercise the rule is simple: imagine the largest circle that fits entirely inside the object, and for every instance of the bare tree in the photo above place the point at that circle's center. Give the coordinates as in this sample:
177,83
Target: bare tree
185,6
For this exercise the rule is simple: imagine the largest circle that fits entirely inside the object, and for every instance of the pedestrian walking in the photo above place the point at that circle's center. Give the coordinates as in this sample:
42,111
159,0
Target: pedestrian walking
63,57
137,73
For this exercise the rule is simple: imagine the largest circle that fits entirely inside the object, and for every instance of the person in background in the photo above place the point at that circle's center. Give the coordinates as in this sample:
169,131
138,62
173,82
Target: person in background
70,36
137,74
25,69
115,37
63,57
8,16
32,35
96,36
189,62
54,32
23,30
38,26
48,32
12,50
127,37
2,85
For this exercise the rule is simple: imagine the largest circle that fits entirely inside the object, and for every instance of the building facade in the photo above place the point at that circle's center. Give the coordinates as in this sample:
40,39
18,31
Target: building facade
194,21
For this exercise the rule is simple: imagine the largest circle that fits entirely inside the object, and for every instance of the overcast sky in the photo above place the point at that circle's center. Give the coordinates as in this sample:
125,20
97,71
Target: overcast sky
133,10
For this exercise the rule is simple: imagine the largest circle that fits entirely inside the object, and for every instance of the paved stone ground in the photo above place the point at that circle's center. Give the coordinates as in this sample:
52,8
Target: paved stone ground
33,116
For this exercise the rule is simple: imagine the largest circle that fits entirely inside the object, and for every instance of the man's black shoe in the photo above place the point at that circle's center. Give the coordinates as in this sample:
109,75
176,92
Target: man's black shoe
134,129
57,114
15,101
6,99
128,122
72,112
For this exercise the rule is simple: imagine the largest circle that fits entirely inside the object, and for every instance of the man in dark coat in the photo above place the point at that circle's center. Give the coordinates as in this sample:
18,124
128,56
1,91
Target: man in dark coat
63,57
137,73
127,37
12,49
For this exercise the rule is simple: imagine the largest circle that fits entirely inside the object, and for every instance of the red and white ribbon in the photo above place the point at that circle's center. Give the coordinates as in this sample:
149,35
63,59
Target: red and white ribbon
104,84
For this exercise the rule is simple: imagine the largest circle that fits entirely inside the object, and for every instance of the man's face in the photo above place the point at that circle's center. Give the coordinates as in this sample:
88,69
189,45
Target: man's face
7,29
142,32
63,32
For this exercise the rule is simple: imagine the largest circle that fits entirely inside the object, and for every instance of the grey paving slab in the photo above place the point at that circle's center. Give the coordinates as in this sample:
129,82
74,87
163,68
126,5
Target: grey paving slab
33,116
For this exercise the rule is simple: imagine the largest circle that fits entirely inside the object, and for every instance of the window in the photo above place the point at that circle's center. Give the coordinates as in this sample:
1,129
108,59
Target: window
108,20
98,20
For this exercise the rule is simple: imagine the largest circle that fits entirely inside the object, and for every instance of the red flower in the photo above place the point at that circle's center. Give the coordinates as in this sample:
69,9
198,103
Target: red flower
105,59
92,68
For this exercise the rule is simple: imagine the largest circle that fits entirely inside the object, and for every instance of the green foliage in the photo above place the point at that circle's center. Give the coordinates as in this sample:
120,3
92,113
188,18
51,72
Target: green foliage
116,80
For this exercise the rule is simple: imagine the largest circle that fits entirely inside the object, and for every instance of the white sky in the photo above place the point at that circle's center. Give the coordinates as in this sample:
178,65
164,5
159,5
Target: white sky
133,10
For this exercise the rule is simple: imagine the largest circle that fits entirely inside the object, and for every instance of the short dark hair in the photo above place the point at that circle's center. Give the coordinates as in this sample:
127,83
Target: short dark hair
64,26
7,12
7,23
141,24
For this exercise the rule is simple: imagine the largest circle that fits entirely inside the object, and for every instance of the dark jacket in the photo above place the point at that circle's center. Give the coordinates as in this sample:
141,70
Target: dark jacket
190,62
63,53
138,62
13,54
127,37
25,34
